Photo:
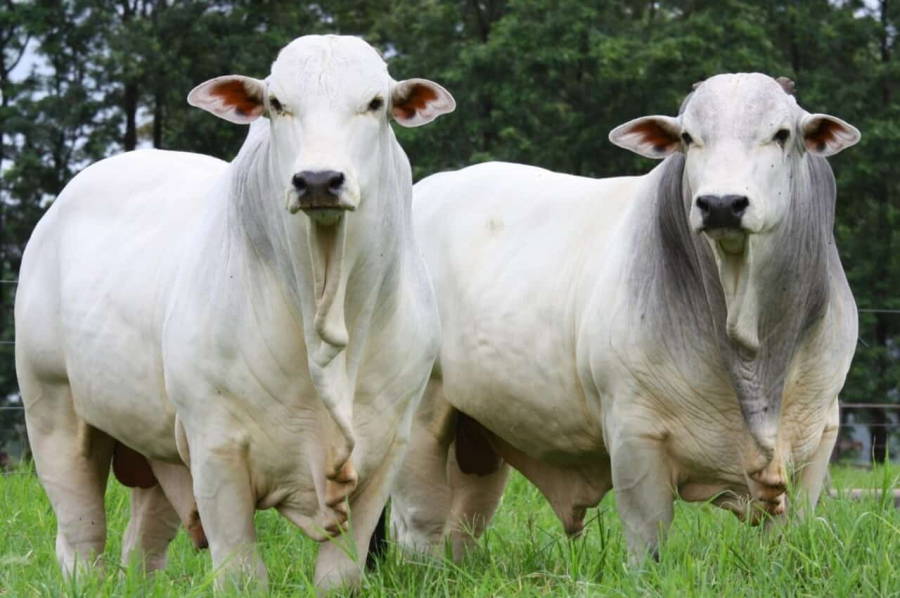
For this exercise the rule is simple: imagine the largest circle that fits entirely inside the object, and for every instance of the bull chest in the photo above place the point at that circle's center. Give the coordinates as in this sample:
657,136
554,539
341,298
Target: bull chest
692,408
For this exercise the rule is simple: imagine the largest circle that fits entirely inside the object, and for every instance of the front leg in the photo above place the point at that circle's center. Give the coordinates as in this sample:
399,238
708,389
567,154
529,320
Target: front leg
812,477
227,504
341,560
644,493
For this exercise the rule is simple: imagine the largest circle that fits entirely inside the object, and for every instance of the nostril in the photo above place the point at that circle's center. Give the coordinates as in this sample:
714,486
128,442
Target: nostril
740,206
703,205
336,182
299,182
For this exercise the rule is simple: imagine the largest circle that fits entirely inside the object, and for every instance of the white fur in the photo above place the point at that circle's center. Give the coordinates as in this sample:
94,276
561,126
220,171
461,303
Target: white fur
293,353
546,344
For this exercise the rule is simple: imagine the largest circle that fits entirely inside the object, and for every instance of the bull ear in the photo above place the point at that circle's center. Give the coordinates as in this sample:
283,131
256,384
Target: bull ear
649,136
235,98
825,135
415,102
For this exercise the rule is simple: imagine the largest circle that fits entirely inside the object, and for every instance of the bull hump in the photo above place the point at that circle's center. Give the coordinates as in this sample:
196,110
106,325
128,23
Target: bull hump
132,468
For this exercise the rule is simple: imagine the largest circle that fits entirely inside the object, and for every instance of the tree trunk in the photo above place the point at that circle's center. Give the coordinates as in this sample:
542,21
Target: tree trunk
159,96
130,100
158,109
131,105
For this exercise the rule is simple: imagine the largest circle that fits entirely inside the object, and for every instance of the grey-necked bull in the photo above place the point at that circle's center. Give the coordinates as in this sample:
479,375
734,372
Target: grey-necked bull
267,323
682,333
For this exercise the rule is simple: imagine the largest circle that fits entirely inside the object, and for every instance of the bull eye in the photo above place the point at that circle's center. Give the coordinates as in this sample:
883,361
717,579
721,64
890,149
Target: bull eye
376,104
275,104
781,137
686,139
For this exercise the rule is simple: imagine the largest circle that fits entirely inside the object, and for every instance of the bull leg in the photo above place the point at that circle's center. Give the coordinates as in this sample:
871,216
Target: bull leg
152,526
422,497
156,513
571,491
812,477
227,504
72,461
644,494
175,480
473,502
341,560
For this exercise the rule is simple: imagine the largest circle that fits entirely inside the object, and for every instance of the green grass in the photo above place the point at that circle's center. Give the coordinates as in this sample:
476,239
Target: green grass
848,549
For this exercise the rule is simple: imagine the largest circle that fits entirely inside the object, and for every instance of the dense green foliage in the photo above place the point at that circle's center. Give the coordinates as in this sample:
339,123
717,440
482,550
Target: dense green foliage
848,549
537,81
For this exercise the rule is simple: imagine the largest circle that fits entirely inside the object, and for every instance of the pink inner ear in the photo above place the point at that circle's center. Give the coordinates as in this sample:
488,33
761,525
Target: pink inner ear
417,98
233,94
823,134
652,134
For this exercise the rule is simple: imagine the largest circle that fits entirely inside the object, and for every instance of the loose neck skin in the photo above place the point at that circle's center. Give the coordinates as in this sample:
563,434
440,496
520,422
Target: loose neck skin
310,260
747,314
332,277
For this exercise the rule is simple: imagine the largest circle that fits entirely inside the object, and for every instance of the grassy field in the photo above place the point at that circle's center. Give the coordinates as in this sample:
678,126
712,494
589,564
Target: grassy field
848,549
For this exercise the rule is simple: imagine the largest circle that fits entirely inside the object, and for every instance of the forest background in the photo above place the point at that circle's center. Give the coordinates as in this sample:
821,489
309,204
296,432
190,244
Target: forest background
536,81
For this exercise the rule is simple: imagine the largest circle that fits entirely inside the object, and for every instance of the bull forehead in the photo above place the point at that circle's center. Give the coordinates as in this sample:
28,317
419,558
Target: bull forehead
328,65
743,107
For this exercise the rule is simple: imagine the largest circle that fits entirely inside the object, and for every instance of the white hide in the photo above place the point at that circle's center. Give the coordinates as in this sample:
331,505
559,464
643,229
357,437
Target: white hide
168,295
549,343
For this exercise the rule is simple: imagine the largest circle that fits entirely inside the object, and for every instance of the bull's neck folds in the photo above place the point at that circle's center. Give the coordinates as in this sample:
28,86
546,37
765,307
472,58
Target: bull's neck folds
331,277
747,313
356,255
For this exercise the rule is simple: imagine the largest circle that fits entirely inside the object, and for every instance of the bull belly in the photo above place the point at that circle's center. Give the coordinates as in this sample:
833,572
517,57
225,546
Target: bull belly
152,435
138,415
555,426
553,440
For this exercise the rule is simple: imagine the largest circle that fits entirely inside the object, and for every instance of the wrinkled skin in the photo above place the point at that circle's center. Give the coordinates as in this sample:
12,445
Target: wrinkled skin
203,315
597,336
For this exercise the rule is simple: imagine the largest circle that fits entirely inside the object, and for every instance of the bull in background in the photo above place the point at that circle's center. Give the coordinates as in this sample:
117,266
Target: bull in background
679,334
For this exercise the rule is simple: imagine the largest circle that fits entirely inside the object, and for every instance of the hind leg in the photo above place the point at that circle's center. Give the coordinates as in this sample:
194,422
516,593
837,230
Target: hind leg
164,499
475,498
451,481
157,512
178,486
72,461
341,560
421,499
153,524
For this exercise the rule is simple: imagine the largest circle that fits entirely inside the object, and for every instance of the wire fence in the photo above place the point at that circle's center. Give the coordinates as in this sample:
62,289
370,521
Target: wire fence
853,426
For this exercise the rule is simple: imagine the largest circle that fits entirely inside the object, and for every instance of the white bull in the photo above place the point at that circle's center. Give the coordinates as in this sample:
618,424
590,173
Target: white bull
178,309
682,333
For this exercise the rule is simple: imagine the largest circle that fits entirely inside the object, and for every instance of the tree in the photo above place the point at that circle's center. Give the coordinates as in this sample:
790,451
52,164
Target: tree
14,41
536,81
